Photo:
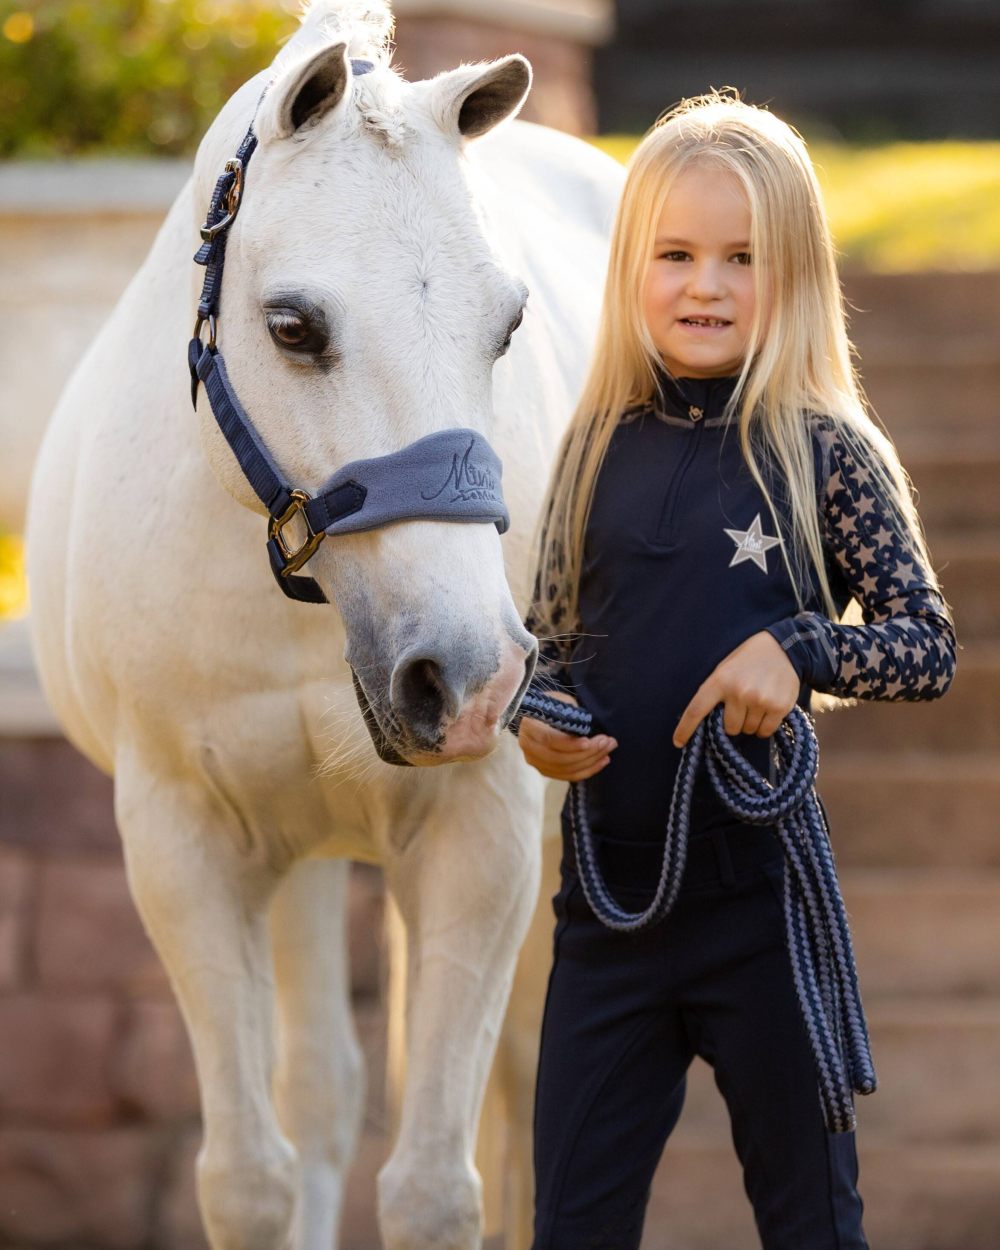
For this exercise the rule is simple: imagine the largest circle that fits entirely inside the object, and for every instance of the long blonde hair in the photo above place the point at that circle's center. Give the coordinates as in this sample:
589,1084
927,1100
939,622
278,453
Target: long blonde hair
798,359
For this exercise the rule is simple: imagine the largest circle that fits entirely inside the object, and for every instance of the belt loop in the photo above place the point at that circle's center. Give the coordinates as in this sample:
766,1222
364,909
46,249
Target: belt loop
721,848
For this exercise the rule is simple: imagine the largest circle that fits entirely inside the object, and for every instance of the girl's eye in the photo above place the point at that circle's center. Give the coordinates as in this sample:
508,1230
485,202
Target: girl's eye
293,331
742,258
674,256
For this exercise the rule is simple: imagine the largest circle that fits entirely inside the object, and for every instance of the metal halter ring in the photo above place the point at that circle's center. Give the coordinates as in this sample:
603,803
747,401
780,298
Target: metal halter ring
231,202
213,327
294,560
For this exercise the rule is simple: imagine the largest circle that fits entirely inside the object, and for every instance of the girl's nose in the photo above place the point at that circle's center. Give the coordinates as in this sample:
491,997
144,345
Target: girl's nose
706,281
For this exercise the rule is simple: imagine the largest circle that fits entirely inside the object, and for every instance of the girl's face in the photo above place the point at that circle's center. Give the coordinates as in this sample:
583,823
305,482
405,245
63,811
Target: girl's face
699,298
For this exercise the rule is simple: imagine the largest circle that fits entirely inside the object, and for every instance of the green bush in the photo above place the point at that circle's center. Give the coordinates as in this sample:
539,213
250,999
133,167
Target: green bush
130,76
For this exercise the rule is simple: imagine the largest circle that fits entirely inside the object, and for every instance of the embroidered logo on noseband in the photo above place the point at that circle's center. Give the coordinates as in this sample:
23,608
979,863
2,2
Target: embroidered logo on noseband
467,480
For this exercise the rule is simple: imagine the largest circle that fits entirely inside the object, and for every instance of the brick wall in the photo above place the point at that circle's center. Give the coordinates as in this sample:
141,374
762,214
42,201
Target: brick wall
98,1103
99,1117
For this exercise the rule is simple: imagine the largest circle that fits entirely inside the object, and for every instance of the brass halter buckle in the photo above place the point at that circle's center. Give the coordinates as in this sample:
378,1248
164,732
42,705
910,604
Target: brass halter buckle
294,558
231,202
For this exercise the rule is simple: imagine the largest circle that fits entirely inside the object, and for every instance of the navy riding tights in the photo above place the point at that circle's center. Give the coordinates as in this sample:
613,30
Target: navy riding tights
625,1014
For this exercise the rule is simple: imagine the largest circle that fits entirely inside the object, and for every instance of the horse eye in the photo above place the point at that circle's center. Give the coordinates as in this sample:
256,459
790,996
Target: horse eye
292,330
287,328
510,333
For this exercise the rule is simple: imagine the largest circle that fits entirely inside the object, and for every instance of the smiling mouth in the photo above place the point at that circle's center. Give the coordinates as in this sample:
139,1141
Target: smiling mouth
705,322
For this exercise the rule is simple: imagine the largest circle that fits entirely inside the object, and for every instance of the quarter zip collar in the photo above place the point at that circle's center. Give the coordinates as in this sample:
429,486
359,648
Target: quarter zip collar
692,400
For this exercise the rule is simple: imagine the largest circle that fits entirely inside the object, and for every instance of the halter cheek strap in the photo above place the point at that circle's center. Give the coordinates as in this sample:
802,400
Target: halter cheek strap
450,475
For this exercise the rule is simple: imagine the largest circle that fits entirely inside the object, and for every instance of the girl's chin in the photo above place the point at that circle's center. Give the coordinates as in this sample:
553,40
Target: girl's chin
700,367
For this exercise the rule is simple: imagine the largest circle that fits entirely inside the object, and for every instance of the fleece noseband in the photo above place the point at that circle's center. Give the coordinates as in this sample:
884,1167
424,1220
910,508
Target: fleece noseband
450,475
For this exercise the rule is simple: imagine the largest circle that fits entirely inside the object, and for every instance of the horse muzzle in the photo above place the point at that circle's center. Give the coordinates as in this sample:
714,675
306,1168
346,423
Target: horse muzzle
446,706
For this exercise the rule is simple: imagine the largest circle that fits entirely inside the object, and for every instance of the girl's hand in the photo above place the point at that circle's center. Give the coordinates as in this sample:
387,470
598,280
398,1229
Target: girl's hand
757,684
562,756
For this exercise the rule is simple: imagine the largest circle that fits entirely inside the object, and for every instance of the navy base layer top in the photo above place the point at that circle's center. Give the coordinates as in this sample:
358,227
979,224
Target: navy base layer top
682,563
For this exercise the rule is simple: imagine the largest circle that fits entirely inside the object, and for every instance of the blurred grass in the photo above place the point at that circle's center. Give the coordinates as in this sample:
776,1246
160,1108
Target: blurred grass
902,207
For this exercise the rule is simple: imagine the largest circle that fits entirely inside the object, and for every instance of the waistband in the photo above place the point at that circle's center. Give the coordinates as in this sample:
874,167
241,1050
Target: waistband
718,856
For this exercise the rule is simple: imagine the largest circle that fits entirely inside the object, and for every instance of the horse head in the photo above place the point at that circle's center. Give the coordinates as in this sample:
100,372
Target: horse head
363,309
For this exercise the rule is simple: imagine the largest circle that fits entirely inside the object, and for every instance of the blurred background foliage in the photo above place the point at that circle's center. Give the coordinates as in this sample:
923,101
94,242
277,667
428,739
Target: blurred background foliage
129,76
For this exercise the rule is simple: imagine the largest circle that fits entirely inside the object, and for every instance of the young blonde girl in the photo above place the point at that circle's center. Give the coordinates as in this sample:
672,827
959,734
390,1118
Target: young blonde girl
720,496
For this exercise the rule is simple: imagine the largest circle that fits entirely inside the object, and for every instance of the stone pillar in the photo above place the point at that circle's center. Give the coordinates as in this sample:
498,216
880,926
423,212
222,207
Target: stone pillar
557,37
72,234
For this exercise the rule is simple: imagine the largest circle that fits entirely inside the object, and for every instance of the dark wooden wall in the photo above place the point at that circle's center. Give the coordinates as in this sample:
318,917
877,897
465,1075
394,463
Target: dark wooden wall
861,69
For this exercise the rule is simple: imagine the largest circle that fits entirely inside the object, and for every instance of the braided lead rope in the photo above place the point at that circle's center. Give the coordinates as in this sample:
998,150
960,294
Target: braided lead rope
816,930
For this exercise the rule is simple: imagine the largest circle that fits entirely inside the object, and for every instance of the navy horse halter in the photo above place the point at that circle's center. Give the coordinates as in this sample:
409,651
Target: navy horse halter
450,475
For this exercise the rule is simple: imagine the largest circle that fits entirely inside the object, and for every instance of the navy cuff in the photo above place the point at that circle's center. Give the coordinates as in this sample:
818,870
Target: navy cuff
804,641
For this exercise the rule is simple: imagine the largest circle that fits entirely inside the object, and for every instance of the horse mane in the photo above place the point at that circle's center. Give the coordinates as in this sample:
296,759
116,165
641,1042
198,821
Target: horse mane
366,26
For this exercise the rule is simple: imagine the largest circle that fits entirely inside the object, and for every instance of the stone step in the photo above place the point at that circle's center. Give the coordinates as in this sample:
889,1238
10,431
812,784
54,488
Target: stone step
936,1062
967,719
935,1196
968,564
916,1197
925,312
956,482
922,932
951,391
911,810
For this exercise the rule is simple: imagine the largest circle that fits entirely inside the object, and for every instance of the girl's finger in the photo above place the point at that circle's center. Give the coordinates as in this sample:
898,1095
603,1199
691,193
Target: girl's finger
705,698
734,716
559,770
581,752
768,727
583,773
584,759
552,739
576,751
753,721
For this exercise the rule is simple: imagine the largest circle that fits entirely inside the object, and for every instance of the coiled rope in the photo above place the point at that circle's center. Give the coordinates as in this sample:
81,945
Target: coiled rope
816,929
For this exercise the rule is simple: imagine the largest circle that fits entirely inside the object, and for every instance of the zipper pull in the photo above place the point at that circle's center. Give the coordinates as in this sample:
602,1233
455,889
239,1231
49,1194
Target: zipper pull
695,414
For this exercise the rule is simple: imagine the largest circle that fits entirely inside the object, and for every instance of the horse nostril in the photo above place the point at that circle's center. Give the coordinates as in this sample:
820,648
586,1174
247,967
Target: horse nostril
530,664
421,695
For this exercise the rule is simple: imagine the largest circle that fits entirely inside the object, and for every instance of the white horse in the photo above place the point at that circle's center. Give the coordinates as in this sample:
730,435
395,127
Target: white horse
374,274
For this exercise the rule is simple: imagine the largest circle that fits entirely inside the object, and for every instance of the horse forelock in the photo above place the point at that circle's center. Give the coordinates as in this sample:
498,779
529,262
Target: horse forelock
377,98
366,27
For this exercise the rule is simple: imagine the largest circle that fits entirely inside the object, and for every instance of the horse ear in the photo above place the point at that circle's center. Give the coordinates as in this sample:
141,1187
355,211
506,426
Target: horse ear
306,93
474,98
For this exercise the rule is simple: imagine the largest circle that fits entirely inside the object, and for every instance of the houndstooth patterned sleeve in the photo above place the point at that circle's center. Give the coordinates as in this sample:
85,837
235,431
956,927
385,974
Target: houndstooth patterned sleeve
551,673
906,648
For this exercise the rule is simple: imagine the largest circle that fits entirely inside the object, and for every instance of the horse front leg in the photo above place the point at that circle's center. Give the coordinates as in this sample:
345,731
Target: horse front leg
465,885
202,892
320,1078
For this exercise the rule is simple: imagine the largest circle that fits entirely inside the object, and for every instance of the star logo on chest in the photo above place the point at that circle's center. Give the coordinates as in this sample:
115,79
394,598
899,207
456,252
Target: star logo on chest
752,544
